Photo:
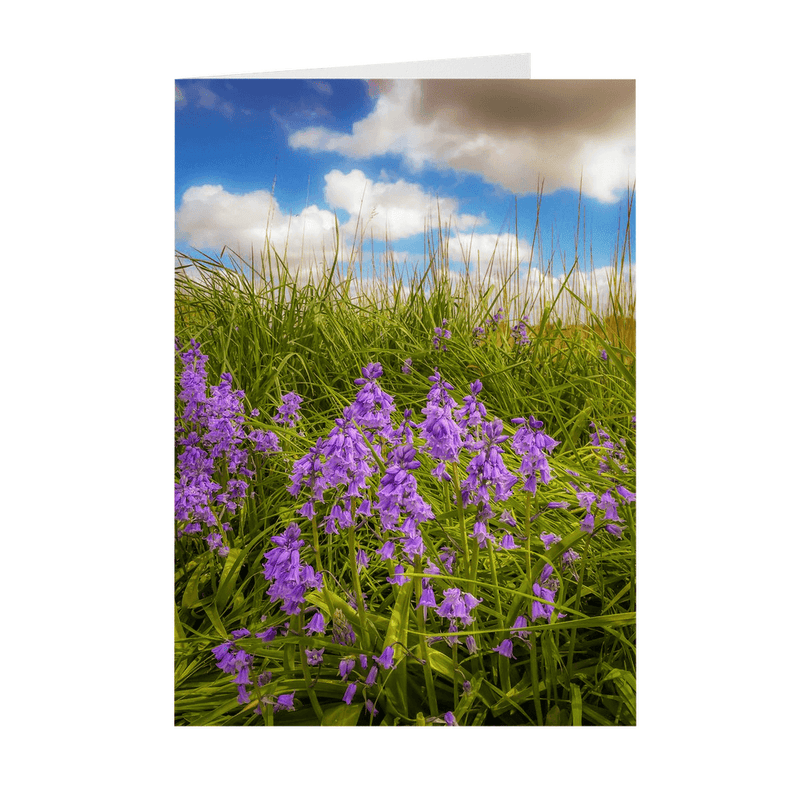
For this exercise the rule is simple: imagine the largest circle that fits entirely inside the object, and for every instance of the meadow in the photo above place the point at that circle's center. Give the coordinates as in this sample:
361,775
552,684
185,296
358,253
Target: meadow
405,497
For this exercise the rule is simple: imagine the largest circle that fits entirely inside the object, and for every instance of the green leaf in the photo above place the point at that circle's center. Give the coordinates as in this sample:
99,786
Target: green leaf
557,716
577,705
625,684
230,572
397,631
553,716
213,615
398,624
342,714
191,595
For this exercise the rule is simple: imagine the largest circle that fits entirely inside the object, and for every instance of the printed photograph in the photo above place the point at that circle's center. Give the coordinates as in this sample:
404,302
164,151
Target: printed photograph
405,402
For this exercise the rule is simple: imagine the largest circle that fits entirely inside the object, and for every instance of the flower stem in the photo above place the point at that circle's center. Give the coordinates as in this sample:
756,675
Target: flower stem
505,681
585,558
312,695
528,535
535,679
362,611
423,641
461,521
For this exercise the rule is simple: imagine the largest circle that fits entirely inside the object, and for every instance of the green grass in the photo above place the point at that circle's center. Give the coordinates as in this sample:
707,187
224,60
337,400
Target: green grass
275,332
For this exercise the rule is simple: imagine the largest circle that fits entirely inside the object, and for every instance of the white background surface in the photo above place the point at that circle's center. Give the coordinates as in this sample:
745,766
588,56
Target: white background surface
87,343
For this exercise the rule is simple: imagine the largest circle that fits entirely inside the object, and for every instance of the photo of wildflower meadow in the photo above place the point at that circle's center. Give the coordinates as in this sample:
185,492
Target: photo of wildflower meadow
405,403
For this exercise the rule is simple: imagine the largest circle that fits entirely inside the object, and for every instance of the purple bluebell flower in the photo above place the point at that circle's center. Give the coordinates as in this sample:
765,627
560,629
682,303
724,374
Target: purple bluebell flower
625,495
507,518
314,657
193,383
615,529
285,702
496,319
316,625
604,355
587,523
268,635
479,529
290,579
398,495
407,364
399,577
343,632
372,675
386,551
609,452
386,658
549,539
344,459
289,410
545,593
265,441
507,542
211,431
568,557
586,500
447,556
531,442
404,433
362,559
348,463
472,413
439,334
520,332
439,430
346,665
520,622
263,679
371,708
505,648
349,693
372,407
488,480
608,504
456,606
427,597
449,718
237,662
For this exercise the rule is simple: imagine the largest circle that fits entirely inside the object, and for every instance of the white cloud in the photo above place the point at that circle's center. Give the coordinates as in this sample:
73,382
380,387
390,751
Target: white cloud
211,218
199,96
512,133
398,209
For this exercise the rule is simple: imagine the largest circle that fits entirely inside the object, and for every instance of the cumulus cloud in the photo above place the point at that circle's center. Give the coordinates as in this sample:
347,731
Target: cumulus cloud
210,217
400,209
513,133
197,95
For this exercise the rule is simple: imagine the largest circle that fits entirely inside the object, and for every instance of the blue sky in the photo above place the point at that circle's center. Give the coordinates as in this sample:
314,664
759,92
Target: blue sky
296,152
